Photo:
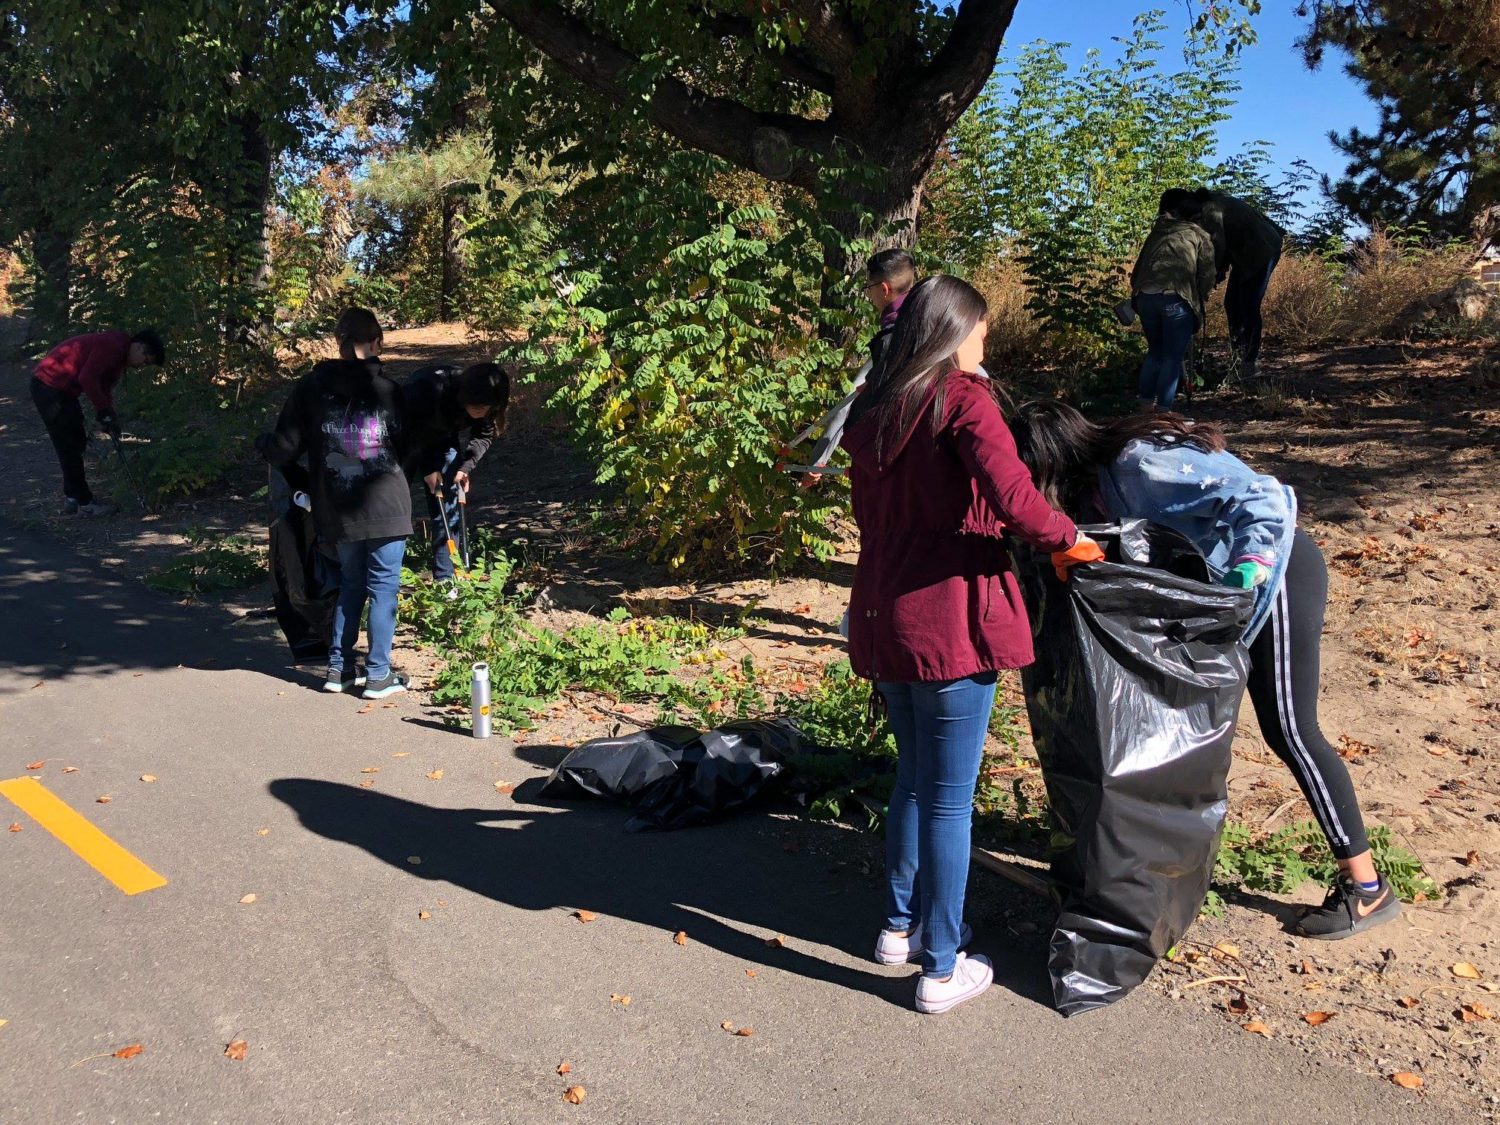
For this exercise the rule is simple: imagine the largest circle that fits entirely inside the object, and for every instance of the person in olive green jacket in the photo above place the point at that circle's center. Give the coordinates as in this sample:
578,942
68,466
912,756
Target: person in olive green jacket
1169,286
1247,246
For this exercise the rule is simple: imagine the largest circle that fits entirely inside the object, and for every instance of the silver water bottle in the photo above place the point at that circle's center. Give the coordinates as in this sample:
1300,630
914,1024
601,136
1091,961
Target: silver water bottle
479,695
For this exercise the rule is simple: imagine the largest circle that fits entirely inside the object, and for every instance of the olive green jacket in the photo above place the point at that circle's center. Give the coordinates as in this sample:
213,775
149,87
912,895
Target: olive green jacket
1177,258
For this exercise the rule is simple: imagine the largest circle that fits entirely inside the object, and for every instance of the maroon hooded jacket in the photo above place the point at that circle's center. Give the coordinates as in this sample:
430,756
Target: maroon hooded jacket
87,365
934,598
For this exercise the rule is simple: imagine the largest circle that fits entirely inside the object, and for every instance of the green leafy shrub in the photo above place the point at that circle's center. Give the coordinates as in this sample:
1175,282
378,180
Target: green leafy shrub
213,565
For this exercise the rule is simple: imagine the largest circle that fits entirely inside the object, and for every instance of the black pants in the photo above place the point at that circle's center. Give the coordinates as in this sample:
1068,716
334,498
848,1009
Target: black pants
63,418
1242,300
1283,686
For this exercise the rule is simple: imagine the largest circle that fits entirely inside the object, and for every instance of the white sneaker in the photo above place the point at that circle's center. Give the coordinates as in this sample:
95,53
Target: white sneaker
971,976
893,949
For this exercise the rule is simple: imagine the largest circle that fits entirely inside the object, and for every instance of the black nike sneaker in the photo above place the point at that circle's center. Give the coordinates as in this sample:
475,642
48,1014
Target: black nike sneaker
1348,910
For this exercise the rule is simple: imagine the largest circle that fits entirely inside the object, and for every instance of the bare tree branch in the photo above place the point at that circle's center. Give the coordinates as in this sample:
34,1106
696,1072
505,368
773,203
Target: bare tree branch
761,142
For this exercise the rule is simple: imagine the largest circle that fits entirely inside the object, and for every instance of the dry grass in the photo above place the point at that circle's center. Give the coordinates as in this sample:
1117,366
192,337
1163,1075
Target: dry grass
10,273
1015,335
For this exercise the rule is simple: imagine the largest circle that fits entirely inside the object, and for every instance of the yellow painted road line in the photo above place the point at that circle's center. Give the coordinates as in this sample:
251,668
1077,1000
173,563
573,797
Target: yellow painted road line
87,842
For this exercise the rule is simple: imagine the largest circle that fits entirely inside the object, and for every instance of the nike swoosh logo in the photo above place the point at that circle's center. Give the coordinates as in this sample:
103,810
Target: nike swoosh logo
1365,911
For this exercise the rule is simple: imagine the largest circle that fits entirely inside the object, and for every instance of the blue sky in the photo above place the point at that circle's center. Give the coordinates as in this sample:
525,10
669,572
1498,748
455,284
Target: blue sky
1282,101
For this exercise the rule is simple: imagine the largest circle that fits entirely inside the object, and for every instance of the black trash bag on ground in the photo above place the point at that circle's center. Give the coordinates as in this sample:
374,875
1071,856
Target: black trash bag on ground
620,768
1133,698
674,777
304,573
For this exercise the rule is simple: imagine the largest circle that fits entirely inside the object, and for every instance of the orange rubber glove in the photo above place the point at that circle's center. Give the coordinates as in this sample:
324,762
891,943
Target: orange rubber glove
1084,550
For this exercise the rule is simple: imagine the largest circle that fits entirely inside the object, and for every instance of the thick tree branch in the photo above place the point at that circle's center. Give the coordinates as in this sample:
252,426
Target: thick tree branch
761,142
797,64
957,73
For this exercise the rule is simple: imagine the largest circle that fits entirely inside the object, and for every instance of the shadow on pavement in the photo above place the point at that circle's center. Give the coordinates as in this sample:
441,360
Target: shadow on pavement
718,883
66,615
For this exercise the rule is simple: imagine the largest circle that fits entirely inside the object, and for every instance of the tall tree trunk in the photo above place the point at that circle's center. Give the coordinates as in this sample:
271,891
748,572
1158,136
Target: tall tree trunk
52,305
452,252
250,231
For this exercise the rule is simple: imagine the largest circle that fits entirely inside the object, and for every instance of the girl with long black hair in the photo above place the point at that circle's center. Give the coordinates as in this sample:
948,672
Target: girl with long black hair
1178,473
935,612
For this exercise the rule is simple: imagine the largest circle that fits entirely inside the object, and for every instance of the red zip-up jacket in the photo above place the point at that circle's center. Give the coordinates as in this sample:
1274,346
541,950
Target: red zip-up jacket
934,597
87,365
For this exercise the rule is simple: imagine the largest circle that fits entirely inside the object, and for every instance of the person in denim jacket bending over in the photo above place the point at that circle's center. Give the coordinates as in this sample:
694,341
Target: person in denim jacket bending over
1178,474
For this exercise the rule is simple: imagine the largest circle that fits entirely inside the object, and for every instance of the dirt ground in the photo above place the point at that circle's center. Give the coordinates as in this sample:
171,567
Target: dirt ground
1393,453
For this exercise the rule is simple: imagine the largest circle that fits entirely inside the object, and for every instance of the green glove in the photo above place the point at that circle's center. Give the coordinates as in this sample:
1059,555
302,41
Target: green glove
1246,576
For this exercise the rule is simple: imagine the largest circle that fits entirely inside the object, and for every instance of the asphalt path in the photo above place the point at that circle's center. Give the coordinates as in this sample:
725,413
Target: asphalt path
412,953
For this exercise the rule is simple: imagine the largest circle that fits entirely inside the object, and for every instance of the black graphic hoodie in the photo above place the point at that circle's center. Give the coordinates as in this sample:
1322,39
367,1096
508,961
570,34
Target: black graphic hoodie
345,416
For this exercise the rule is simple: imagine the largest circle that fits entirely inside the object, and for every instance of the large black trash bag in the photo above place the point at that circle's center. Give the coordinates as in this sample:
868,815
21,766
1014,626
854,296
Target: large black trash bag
674,777
1133,699
304,572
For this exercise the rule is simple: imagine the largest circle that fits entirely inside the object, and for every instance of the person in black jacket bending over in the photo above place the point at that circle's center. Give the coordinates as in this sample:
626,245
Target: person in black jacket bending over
345,416
440,403
1247,246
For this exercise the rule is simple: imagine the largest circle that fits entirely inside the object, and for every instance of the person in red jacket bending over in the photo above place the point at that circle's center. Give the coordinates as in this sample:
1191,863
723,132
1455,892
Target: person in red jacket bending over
86,365
935,611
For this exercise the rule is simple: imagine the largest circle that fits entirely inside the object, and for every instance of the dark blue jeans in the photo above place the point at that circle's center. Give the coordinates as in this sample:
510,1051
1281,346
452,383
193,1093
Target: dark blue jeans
442,558
371,570
1169,325
939,729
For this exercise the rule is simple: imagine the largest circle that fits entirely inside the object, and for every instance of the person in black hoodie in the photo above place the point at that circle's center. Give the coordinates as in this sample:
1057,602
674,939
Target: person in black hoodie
345,417
439,404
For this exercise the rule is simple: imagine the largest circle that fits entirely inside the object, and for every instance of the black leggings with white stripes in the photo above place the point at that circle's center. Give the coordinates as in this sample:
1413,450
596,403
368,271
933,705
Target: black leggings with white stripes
1283,686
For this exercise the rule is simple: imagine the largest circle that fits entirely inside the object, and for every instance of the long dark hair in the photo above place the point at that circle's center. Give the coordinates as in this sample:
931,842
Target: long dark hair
937,316
1065,451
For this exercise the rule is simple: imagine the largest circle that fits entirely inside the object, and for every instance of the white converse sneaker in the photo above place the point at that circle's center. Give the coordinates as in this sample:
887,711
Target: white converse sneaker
971,976
894,949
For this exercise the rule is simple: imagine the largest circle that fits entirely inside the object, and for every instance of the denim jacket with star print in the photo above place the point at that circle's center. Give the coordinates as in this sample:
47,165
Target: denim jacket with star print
1230,512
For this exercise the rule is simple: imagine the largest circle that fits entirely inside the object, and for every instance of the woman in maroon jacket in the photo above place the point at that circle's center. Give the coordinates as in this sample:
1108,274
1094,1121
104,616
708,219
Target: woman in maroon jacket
935,611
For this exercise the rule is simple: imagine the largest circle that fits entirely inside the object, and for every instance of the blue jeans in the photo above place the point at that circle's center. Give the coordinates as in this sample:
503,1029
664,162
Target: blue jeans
1169,324
442,558
939,729
371,569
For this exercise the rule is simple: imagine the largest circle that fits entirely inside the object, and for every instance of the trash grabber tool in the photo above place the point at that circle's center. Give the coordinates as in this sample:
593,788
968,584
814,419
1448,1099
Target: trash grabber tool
463,526
442,507
129,472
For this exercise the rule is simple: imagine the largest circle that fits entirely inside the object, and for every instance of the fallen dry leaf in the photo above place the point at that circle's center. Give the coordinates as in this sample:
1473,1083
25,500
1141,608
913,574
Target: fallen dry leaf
370,769
1226,949
368,783
801,609
1255,1027
1473,1013
750,972
616,998
504,787
435,775
727,1025
1407,1080
1470,860
585,915
680,937
247,900
1316,1019
37,764
103,799
1237,1005
401,754
575,1095
237,1050
1304,968
745,1032
38,684
1408,1001
262,831
129,1052
776,942
424,914
414,860
1466,971
1351,748
564,1068
70,769
16,827
366,709
148,778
